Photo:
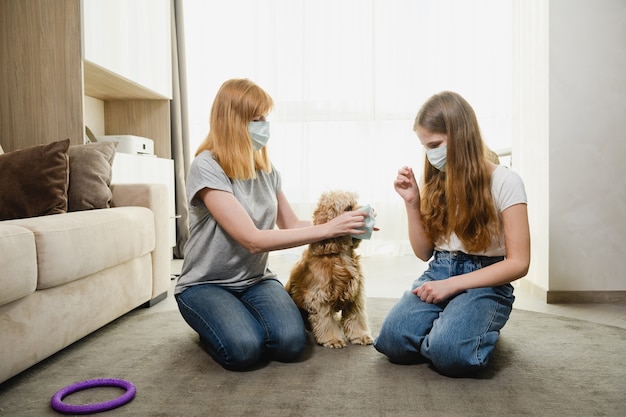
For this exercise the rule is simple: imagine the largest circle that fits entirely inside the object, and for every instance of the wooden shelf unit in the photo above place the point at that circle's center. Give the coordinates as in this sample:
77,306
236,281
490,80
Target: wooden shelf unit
44,79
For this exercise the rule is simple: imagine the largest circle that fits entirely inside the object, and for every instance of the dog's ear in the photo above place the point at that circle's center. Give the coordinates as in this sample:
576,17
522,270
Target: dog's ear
324,212
333,203
331,246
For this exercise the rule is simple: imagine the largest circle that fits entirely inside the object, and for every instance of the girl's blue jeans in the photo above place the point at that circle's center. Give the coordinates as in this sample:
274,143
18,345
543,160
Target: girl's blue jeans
458,335
239,328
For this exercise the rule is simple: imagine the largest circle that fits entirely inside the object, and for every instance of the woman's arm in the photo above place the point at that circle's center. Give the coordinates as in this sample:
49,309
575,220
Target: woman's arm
514,266
287,218
231,216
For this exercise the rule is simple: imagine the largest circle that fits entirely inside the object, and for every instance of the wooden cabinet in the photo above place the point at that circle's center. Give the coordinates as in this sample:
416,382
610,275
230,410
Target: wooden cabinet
41,86
54,53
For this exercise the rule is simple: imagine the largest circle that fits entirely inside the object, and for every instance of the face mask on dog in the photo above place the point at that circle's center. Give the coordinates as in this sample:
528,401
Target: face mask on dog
370,221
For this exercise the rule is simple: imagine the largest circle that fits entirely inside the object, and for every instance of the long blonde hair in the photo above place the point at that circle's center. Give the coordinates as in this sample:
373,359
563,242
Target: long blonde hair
237,103
458,200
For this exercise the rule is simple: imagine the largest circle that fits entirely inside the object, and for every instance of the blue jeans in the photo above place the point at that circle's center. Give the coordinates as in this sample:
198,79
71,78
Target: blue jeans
239,328
458,335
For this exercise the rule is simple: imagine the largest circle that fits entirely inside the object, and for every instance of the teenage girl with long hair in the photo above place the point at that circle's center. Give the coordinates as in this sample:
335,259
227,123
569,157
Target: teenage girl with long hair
468,217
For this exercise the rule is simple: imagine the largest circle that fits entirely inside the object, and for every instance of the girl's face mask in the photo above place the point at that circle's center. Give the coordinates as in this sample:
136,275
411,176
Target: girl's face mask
437,157
259,134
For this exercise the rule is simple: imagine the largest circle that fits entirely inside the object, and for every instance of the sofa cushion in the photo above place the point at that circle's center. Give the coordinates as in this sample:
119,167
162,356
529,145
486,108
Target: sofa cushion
18,263
90,176
73,245
33,181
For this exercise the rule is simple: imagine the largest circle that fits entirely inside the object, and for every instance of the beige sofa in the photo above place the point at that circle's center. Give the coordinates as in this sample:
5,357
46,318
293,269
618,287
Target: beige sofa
63,276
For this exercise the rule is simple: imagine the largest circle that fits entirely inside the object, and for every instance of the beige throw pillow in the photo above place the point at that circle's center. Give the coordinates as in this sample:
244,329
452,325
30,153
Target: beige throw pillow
90,175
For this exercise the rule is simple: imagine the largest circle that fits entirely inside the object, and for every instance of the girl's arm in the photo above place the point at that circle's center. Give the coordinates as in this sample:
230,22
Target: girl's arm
406,185
231,216
422,248
514,266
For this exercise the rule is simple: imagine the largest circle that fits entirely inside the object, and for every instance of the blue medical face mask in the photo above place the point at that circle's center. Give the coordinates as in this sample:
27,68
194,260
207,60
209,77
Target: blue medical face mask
259,134
437,157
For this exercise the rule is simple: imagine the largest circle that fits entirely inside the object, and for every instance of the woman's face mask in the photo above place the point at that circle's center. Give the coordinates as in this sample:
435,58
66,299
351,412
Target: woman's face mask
437,157
259,133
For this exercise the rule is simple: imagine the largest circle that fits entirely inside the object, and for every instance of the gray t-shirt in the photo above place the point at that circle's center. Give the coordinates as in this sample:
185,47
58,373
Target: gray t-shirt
211,255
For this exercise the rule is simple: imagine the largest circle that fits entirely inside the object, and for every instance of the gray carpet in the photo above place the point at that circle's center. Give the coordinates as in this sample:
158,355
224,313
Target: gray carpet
543,366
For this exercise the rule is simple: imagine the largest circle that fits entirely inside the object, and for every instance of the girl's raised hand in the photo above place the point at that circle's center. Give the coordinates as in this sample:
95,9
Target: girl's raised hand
406,185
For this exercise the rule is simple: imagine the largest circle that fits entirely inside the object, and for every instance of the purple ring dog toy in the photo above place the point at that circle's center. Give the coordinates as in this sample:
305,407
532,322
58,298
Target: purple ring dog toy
57,399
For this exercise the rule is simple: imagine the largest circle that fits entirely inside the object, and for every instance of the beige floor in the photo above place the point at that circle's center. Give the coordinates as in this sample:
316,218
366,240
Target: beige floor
392,275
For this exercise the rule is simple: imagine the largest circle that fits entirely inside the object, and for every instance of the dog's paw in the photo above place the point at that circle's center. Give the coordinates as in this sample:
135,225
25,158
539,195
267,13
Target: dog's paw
365,339
335,344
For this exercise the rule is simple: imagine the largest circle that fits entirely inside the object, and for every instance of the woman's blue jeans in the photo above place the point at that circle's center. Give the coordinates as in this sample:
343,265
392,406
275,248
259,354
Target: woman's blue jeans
241,327
458,335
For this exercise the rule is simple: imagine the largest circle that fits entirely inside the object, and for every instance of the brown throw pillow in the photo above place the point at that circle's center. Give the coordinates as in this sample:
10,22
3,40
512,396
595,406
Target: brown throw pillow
90,175
33,181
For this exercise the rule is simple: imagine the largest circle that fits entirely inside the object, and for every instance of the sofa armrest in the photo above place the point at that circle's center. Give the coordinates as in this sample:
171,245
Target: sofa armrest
154,197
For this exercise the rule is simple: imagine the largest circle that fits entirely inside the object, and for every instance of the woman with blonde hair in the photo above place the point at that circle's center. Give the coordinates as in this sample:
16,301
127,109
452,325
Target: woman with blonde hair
226,292
469,215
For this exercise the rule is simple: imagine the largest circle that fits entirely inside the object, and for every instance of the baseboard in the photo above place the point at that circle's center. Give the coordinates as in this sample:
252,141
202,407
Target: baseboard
568,297
156,299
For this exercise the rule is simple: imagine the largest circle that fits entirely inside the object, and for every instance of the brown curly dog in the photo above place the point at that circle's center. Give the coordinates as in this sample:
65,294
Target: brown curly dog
327,284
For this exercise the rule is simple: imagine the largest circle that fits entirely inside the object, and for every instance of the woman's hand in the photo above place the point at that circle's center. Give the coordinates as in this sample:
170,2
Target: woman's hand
347,223
406,185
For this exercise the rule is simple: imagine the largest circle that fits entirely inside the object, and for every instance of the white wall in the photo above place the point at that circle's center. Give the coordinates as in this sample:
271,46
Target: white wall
587,144
570,148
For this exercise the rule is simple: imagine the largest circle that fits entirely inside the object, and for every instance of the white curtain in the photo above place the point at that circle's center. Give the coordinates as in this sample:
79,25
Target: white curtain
348,77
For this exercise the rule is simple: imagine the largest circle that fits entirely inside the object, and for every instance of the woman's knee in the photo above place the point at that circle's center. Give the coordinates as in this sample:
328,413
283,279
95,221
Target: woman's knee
240,354
290,346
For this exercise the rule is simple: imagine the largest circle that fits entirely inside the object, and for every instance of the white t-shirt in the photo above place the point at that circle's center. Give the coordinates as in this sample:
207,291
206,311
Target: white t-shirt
507,189
211,255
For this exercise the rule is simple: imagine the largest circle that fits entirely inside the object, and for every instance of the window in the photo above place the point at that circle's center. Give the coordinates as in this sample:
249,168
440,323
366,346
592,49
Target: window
348,77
